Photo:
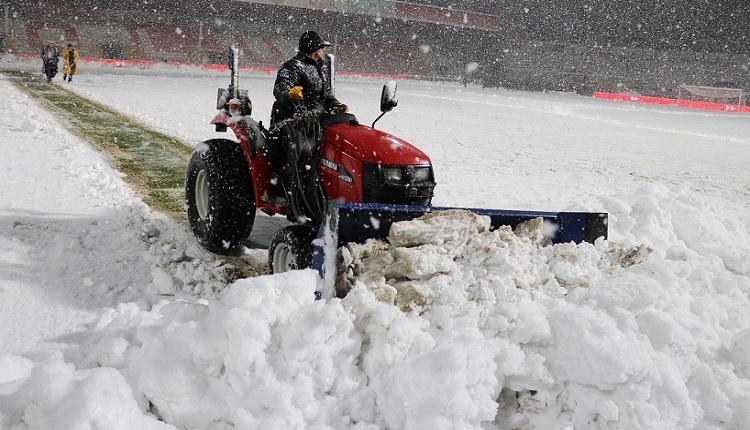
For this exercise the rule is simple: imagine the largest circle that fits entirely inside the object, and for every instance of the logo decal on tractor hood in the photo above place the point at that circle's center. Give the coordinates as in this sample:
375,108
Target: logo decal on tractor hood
334,169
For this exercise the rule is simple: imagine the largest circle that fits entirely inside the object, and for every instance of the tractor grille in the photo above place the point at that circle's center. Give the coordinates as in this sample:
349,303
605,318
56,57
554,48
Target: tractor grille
407,185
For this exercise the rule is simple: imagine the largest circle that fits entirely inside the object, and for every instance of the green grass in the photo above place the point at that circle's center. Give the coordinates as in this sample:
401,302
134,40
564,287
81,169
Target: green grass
154,163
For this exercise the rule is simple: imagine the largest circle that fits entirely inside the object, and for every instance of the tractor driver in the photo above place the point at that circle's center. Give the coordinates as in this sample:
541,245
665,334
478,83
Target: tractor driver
305,79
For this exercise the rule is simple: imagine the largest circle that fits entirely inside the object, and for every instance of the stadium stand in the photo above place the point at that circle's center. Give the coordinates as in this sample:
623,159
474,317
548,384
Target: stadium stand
39,33
427,39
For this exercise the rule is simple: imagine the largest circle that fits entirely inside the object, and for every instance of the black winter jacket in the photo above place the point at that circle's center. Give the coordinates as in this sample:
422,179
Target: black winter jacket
50,58
313,77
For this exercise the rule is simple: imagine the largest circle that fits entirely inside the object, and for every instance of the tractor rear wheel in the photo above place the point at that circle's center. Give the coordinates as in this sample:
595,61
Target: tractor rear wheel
220,197
291,249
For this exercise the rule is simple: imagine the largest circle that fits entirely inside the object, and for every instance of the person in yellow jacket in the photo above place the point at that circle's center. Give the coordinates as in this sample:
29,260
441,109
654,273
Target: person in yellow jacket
69,56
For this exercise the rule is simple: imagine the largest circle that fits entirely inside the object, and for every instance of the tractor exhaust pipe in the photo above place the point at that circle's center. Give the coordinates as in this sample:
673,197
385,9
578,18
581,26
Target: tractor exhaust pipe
234,68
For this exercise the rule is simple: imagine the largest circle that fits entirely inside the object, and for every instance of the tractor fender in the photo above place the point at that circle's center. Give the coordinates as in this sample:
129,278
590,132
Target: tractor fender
250,134
261,158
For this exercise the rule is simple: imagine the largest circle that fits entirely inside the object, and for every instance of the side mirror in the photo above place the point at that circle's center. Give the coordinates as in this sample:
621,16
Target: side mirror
388,97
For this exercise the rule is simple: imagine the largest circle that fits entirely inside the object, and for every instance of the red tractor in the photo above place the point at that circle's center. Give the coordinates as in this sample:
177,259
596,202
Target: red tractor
336,180
294,169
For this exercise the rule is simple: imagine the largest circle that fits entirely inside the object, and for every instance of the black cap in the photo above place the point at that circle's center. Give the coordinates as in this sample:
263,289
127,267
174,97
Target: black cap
70,45
311,42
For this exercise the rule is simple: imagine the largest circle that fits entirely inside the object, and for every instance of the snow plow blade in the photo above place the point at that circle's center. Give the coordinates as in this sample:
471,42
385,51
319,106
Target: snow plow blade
357,222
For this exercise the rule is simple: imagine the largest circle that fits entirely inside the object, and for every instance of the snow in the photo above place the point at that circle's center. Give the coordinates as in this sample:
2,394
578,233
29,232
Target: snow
113,317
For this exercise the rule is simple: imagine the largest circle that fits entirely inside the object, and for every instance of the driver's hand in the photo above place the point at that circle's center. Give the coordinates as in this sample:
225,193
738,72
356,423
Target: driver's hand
295,93
340,108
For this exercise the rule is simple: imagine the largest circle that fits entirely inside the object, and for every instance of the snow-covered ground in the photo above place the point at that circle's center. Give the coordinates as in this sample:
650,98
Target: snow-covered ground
112,317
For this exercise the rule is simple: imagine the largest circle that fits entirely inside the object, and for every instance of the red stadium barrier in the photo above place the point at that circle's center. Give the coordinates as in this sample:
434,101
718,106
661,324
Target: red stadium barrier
119,63
674,102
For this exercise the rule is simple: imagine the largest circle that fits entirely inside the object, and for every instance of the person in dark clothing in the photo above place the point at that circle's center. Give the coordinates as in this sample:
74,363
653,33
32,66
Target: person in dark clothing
305,79
304,86
50,58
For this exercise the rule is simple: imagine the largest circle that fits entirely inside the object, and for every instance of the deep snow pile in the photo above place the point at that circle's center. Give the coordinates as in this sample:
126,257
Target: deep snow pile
447,327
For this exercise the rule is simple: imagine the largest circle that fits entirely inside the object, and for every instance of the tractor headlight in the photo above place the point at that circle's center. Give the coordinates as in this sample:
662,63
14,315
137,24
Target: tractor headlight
397,175
393,174
421,174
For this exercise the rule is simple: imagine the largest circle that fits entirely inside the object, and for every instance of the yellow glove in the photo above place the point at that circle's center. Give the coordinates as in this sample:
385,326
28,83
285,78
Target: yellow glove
295,93
340,108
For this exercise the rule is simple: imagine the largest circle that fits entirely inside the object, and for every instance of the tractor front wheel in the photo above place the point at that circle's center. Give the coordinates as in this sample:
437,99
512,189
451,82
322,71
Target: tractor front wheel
291,249
219,196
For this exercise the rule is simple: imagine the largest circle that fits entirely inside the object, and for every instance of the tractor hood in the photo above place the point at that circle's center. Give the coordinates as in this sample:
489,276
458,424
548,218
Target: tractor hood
374,146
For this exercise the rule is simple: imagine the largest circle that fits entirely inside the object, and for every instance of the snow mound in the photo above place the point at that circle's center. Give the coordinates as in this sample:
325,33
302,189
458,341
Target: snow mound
452,256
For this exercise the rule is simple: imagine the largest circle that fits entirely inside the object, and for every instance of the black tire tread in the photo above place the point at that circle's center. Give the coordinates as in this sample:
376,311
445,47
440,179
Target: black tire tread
232,196
299,238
